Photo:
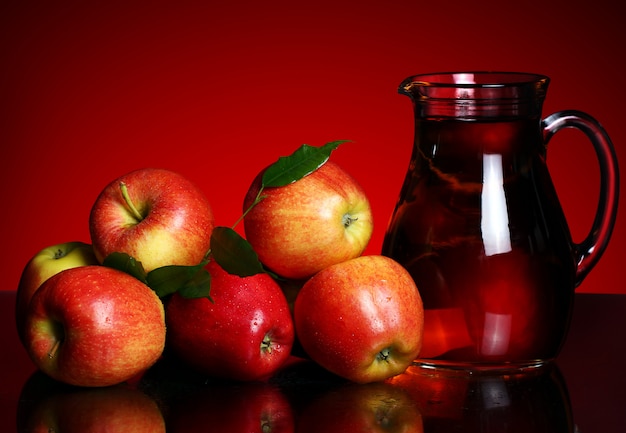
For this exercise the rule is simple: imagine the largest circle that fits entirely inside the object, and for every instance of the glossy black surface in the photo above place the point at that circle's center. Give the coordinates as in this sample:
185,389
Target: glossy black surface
585,388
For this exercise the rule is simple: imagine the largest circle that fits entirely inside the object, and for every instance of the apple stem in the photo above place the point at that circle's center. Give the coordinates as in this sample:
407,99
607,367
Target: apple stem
347,220
383,355
55,349
129,202
266,344
266,427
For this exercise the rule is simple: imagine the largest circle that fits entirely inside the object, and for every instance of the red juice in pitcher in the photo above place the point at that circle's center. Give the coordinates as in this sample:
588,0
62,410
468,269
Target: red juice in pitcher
480,230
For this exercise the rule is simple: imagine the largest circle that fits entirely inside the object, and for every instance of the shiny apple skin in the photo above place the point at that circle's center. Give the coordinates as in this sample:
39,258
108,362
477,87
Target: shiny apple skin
300,229
223,338
348,313
177,224
109,326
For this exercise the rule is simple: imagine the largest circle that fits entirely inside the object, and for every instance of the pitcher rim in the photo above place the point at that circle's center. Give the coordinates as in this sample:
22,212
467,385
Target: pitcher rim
437,79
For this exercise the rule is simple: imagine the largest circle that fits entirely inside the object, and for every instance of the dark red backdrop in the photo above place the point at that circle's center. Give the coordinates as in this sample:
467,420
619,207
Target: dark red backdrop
217,91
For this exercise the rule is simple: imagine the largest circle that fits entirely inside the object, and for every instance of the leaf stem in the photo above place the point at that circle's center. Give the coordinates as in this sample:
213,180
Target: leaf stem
256,201
55,349
129,202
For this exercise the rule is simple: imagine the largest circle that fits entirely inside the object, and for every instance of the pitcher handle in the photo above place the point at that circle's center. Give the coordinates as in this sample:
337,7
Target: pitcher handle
588,252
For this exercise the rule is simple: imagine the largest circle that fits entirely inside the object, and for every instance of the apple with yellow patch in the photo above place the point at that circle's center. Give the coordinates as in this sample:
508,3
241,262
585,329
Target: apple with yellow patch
156,216
46,263
301,228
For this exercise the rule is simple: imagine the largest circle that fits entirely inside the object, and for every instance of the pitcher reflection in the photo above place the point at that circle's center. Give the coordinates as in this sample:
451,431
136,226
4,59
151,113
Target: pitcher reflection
449,400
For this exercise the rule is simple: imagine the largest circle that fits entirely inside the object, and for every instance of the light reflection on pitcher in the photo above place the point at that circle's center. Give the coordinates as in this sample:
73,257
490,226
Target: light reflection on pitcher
478,223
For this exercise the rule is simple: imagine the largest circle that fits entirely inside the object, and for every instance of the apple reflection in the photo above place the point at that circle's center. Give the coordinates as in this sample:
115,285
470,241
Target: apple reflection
374,407
232,408
192,402
49,406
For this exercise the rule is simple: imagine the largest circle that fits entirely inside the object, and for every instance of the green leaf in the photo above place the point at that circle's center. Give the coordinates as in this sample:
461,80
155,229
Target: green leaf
125,263
233,253
199,288
304,161
189,281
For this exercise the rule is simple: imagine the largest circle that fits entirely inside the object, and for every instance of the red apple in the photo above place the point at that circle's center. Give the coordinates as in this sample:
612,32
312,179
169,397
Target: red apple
89,410
156,216
299,229
246,333
361,319
43,265
374,407
227,408
94,326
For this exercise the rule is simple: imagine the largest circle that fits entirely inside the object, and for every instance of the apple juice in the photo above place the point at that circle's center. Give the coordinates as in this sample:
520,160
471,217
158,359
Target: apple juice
479,227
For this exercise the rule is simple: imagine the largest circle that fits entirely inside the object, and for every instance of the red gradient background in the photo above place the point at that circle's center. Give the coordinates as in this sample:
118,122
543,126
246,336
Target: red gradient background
217,90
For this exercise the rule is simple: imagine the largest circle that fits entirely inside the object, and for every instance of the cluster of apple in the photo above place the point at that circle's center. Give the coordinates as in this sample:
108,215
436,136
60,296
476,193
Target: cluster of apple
161,279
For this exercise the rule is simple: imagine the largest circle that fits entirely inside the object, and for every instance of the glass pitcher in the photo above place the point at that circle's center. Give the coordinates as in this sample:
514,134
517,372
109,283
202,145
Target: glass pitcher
478,223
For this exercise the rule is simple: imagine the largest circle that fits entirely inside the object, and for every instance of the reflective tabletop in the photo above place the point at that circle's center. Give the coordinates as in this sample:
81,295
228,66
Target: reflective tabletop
583,390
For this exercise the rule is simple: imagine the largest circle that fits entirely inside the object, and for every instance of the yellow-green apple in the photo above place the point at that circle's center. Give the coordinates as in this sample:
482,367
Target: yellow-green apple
94,326
361,319
248,407
245,332
301,228
374,407
156,216
46,263
52,407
